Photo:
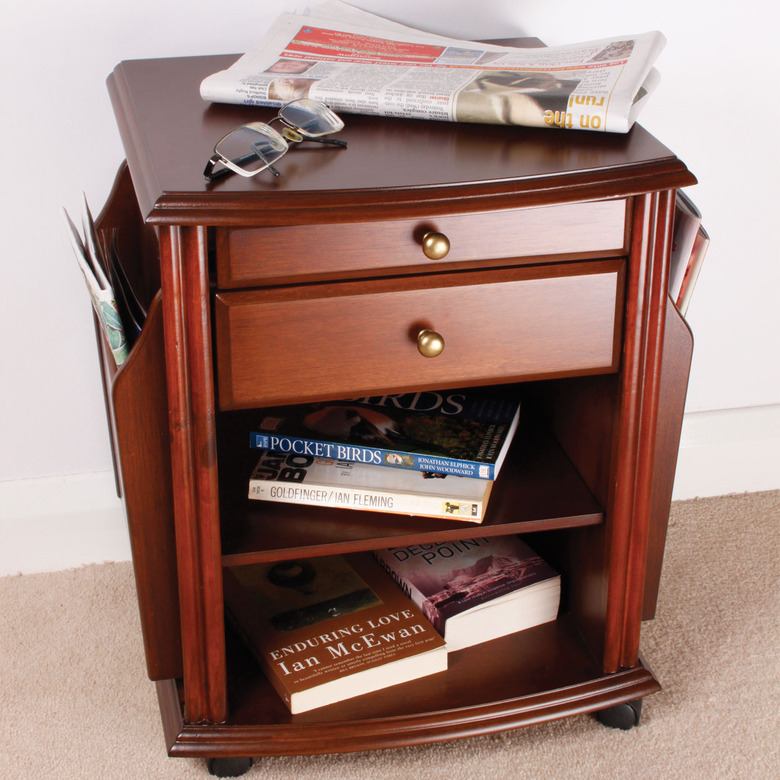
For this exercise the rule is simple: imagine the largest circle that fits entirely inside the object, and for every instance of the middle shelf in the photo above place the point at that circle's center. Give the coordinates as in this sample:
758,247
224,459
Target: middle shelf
538,489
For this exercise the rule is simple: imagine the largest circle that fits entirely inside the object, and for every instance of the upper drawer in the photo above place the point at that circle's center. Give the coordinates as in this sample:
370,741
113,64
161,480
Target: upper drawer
292,344
258,256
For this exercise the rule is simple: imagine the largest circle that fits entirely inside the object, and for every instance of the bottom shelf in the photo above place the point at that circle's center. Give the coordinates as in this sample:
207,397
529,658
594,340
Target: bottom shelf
530,677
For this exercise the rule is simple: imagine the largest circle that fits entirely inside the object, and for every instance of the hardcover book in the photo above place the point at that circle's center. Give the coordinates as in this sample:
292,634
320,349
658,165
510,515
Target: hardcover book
331,628
462,432
303,479
475,590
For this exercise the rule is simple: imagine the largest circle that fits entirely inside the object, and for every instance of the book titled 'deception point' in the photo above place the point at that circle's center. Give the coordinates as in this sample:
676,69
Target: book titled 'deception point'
475,590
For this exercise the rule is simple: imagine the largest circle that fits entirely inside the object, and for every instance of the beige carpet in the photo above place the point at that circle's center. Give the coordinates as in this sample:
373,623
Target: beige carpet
75,702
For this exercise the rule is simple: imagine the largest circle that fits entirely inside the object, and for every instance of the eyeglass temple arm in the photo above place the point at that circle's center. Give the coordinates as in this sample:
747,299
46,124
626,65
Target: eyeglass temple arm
211,175
332,141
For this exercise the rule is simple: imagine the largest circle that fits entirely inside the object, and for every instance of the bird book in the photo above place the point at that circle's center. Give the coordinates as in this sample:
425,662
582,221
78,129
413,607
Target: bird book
475,590
466,433
330,628
304,479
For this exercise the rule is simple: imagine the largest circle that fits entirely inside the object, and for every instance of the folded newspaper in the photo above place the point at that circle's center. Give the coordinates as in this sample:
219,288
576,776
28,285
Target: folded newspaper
89,255
361,63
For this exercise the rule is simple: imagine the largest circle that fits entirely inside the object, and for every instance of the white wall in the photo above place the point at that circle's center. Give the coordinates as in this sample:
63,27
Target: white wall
59,139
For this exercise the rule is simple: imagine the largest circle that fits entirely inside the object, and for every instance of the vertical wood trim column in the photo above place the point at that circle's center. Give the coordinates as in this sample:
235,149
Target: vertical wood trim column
634,450
186,313
678,354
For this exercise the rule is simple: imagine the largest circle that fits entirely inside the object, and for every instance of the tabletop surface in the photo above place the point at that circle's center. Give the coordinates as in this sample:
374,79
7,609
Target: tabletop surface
169,132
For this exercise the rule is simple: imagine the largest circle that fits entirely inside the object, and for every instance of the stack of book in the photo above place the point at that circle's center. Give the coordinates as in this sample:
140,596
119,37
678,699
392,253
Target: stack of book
433,454
332,628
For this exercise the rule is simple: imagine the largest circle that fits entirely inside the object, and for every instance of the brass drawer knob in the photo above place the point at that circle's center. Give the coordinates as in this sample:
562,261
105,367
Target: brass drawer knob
435,245
429,343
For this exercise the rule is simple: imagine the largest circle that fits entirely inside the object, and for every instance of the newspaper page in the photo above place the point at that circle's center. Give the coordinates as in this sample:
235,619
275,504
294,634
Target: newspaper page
357,62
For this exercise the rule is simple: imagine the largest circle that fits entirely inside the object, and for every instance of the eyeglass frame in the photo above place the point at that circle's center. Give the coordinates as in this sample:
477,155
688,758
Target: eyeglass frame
291,133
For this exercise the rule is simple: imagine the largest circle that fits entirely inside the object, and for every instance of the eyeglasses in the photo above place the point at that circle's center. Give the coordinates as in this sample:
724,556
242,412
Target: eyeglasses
256,146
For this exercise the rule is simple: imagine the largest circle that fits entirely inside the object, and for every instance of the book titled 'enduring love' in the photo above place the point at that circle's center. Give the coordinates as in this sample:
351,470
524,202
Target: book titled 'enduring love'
330,628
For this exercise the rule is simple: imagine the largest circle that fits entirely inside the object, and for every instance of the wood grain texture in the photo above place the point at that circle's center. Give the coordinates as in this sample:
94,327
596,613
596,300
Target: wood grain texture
137,409
140,404
628,508
557,273
538,490
534,676
554,233
678,353
194,474
498,326
393,168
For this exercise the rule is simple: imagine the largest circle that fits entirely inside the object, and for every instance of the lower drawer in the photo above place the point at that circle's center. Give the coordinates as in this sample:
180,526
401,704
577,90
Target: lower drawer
309,342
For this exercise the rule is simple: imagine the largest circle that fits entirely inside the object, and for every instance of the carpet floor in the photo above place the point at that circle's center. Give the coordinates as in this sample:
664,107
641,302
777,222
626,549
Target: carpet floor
75,701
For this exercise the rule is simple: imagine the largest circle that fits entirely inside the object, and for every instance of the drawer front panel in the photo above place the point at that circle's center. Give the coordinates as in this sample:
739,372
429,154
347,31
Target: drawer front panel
252,257
321,342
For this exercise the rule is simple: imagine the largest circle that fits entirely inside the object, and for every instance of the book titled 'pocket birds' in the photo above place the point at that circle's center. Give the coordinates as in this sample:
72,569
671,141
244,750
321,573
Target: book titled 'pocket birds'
466,433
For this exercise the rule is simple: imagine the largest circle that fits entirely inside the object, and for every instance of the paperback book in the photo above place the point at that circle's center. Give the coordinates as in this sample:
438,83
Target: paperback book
687,220
700,246
331,628
304,479
690,242
91,261
475,590
462,432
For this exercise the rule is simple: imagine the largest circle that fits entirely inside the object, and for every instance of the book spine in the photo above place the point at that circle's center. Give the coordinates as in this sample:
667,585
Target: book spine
372,455
367,500
412,592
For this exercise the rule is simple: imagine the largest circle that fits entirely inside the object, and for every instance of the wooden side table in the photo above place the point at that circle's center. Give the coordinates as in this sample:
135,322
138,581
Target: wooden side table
314,286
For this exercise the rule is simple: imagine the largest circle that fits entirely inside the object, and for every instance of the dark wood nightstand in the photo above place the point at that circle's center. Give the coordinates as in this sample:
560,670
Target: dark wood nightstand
315,286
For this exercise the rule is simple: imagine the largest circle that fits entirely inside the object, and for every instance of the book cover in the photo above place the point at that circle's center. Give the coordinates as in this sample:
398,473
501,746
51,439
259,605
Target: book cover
687,220
304,479
462,432
331,628
100,290
700,246
475,590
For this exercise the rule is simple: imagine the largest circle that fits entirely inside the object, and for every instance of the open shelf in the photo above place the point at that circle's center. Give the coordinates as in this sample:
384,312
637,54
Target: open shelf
521,664
537,489
532,676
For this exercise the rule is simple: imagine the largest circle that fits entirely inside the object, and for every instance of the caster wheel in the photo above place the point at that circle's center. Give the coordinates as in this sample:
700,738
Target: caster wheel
622,716
228,767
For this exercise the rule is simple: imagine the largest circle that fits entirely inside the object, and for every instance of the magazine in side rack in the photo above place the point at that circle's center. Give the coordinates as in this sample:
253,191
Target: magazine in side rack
690,242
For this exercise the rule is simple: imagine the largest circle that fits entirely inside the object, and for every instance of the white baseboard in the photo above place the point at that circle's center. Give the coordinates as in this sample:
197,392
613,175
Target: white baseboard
729,451
63,522
58,523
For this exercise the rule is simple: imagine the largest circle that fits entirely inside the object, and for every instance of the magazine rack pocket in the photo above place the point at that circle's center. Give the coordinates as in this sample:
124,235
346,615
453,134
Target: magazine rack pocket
675,371
137,409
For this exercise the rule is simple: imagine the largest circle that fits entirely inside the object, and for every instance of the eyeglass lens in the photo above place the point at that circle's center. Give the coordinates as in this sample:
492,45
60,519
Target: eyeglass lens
252,149
311,117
